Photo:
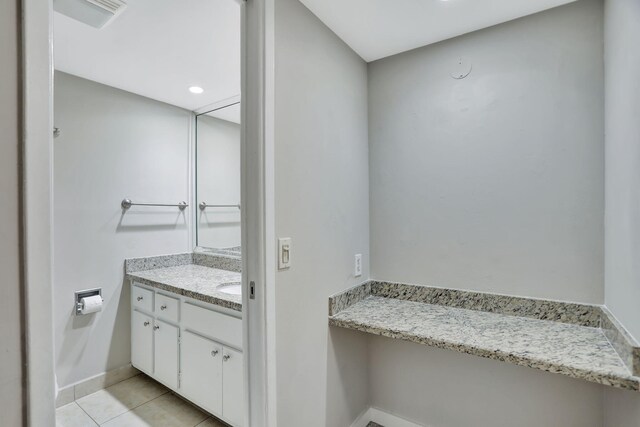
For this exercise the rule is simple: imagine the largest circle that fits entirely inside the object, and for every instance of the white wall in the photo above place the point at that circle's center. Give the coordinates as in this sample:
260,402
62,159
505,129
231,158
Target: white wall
493,182
622,129
218,182
113,145
321,202
11,404
622,175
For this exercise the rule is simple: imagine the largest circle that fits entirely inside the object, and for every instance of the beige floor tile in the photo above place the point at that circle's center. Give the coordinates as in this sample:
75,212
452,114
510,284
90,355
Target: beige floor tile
167,410
106,404
72,415
212,422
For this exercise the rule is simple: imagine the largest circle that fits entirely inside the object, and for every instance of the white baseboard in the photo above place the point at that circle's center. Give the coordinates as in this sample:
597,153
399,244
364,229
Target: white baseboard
362,420
383,418
82,388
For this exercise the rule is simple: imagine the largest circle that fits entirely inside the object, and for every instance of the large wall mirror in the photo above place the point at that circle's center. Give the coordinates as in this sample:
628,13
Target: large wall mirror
218,180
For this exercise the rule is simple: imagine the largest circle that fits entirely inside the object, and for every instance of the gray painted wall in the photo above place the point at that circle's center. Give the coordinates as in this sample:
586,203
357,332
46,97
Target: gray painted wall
218,181
622,175
621,408
435,387
493,182
322,203
11,404
113,144
622,129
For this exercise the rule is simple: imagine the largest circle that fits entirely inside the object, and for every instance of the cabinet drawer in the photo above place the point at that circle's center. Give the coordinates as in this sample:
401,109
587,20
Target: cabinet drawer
220,327
167,307
142,298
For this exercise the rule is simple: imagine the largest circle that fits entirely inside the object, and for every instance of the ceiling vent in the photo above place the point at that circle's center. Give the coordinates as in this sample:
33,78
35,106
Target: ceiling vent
92,12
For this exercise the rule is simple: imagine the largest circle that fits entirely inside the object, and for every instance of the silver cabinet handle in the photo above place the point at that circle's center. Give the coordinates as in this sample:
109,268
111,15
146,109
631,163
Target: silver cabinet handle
146,323
226,357
163,307
139,298
155,328
214,353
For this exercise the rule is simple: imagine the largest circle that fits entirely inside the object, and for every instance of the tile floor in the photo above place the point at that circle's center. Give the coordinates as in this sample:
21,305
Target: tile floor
136,402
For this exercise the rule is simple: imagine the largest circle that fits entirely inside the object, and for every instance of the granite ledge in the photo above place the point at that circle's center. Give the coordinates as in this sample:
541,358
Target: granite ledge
535,308
571,345
626,346
576,351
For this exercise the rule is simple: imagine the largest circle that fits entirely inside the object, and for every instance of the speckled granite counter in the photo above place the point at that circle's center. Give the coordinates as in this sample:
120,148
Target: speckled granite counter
176,273
572,343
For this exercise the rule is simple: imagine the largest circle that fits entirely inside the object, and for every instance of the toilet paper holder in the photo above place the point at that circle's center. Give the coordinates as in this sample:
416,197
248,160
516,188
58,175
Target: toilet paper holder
84,294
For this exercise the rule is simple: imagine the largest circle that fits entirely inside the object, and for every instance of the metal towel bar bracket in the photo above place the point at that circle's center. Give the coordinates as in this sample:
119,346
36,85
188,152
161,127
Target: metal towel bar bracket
127,203
204,205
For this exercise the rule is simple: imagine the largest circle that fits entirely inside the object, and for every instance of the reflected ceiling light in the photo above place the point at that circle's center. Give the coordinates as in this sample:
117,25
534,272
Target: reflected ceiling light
196,89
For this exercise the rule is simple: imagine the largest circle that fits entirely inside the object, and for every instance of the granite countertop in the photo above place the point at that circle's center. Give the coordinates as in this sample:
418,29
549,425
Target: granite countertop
193,281
572,349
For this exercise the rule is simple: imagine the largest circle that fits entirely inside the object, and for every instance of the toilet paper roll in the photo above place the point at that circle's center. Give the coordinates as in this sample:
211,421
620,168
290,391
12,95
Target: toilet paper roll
91,304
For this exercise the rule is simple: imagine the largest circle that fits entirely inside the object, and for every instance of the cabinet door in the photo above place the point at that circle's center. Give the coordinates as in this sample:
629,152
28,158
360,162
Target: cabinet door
201,367
142,342
166,353
232,387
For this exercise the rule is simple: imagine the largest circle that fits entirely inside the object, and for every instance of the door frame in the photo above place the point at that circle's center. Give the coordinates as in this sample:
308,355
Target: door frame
258,201
257,217
36,210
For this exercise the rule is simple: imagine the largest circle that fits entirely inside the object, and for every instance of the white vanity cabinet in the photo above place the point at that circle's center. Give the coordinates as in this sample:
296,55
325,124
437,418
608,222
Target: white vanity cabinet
232,386
202,368
209,356
165,353
142,341
194,348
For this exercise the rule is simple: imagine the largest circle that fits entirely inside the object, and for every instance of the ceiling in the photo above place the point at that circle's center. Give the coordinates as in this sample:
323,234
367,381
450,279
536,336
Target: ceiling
230,113
379,28
158,49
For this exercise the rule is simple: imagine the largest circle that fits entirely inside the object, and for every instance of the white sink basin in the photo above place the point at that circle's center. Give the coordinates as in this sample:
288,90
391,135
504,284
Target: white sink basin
230,288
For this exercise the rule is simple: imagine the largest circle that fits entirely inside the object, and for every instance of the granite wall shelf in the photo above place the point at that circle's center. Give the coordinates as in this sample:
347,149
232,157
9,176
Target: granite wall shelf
577,340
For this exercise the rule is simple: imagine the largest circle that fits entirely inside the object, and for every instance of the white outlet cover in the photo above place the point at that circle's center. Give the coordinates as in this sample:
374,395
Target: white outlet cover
357,267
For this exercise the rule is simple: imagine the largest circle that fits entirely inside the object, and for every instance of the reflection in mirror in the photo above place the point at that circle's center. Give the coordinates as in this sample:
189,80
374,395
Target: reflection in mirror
218,180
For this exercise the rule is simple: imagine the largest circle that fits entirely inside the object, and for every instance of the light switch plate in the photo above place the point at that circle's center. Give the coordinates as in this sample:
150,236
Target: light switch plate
357,266
284,253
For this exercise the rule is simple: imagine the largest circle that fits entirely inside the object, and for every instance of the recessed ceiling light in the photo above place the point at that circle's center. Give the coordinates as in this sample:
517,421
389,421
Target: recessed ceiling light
196,89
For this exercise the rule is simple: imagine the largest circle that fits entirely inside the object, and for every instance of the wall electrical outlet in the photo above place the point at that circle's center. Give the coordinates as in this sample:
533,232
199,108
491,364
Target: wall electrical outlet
357,266
284,253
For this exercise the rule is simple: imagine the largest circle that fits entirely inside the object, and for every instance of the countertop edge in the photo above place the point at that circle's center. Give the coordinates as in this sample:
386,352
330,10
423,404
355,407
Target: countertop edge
628,383
180,291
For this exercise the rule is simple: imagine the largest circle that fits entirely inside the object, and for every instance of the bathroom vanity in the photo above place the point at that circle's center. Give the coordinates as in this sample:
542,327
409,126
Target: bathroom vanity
186,330
186,309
